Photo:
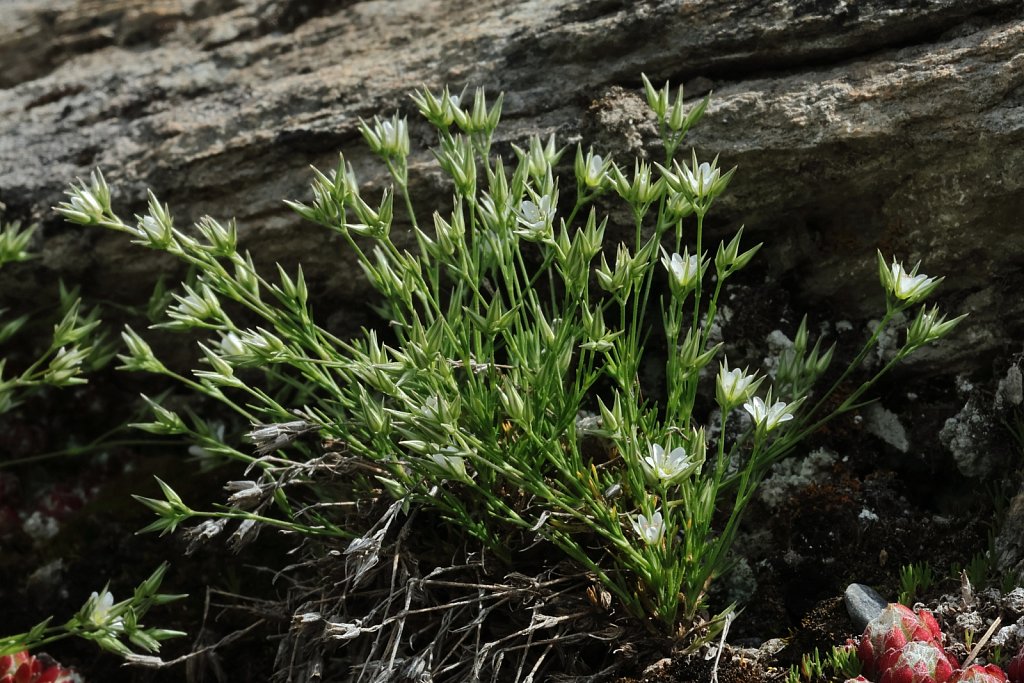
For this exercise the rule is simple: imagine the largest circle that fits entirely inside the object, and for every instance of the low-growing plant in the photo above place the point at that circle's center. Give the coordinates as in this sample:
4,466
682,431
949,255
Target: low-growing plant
811,667
516,339
914,578
114,626
840,662
77,345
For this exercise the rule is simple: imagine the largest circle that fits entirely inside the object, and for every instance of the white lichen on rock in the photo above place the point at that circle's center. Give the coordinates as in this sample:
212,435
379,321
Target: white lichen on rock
975,435
1011,388
778,343
886,425
795,473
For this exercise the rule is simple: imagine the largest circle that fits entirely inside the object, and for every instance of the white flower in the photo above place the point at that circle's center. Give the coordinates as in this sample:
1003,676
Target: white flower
388,134
100,615
684,269
87,205
535,218
768,417
650,530
734,386
394,137
699,181
666,466
909,286
594,173
231,345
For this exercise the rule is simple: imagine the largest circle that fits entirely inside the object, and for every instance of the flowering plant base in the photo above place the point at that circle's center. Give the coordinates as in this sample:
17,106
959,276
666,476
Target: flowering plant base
800,568
639,525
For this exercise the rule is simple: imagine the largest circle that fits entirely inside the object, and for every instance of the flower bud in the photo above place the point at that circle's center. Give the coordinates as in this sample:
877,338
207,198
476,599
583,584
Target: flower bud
439,110
480,119
929,326
222,240
451,464
539,159
388,138
729,259
591,170
642,191
611,418
657,100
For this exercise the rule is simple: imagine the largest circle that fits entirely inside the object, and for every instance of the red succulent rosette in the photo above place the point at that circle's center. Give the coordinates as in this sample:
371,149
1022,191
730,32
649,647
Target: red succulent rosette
917,662
1015,669
896,626
21,667
976,673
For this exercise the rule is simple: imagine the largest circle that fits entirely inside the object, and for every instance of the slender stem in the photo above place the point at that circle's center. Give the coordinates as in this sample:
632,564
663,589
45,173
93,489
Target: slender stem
81,450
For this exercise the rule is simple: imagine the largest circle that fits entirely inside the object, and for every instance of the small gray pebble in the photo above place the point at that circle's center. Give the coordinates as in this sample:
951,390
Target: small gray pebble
863,603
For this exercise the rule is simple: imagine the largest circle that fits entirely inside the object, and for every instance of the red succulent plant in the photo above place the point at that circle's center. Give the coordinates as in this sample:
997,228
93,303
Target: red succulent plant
976,673
896,626
1015,669
917,662
21,667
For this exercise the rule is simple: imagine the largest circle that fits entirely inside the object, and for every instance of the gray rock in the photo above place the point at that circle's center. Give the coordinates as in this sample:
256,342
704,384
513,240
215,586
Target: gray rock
856,125
863,603
1011,388
1009,543
1013,602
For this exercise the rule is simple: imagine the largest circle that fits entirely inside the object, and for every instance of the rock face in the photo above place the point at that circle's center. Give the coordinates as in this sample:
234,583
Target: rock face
856,124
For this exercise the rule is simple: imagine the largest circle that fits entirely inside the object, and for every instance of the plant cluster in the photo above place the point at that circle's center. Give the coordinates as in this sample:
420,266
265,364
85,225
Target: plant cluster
914,579
901,645
114,626
76,346
841,661
506,393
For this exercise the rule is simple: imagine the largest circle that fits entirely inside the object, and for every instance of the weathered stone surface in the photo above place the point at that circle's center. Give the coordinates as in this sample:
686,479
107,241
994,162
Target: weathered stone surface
857,124
863,603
